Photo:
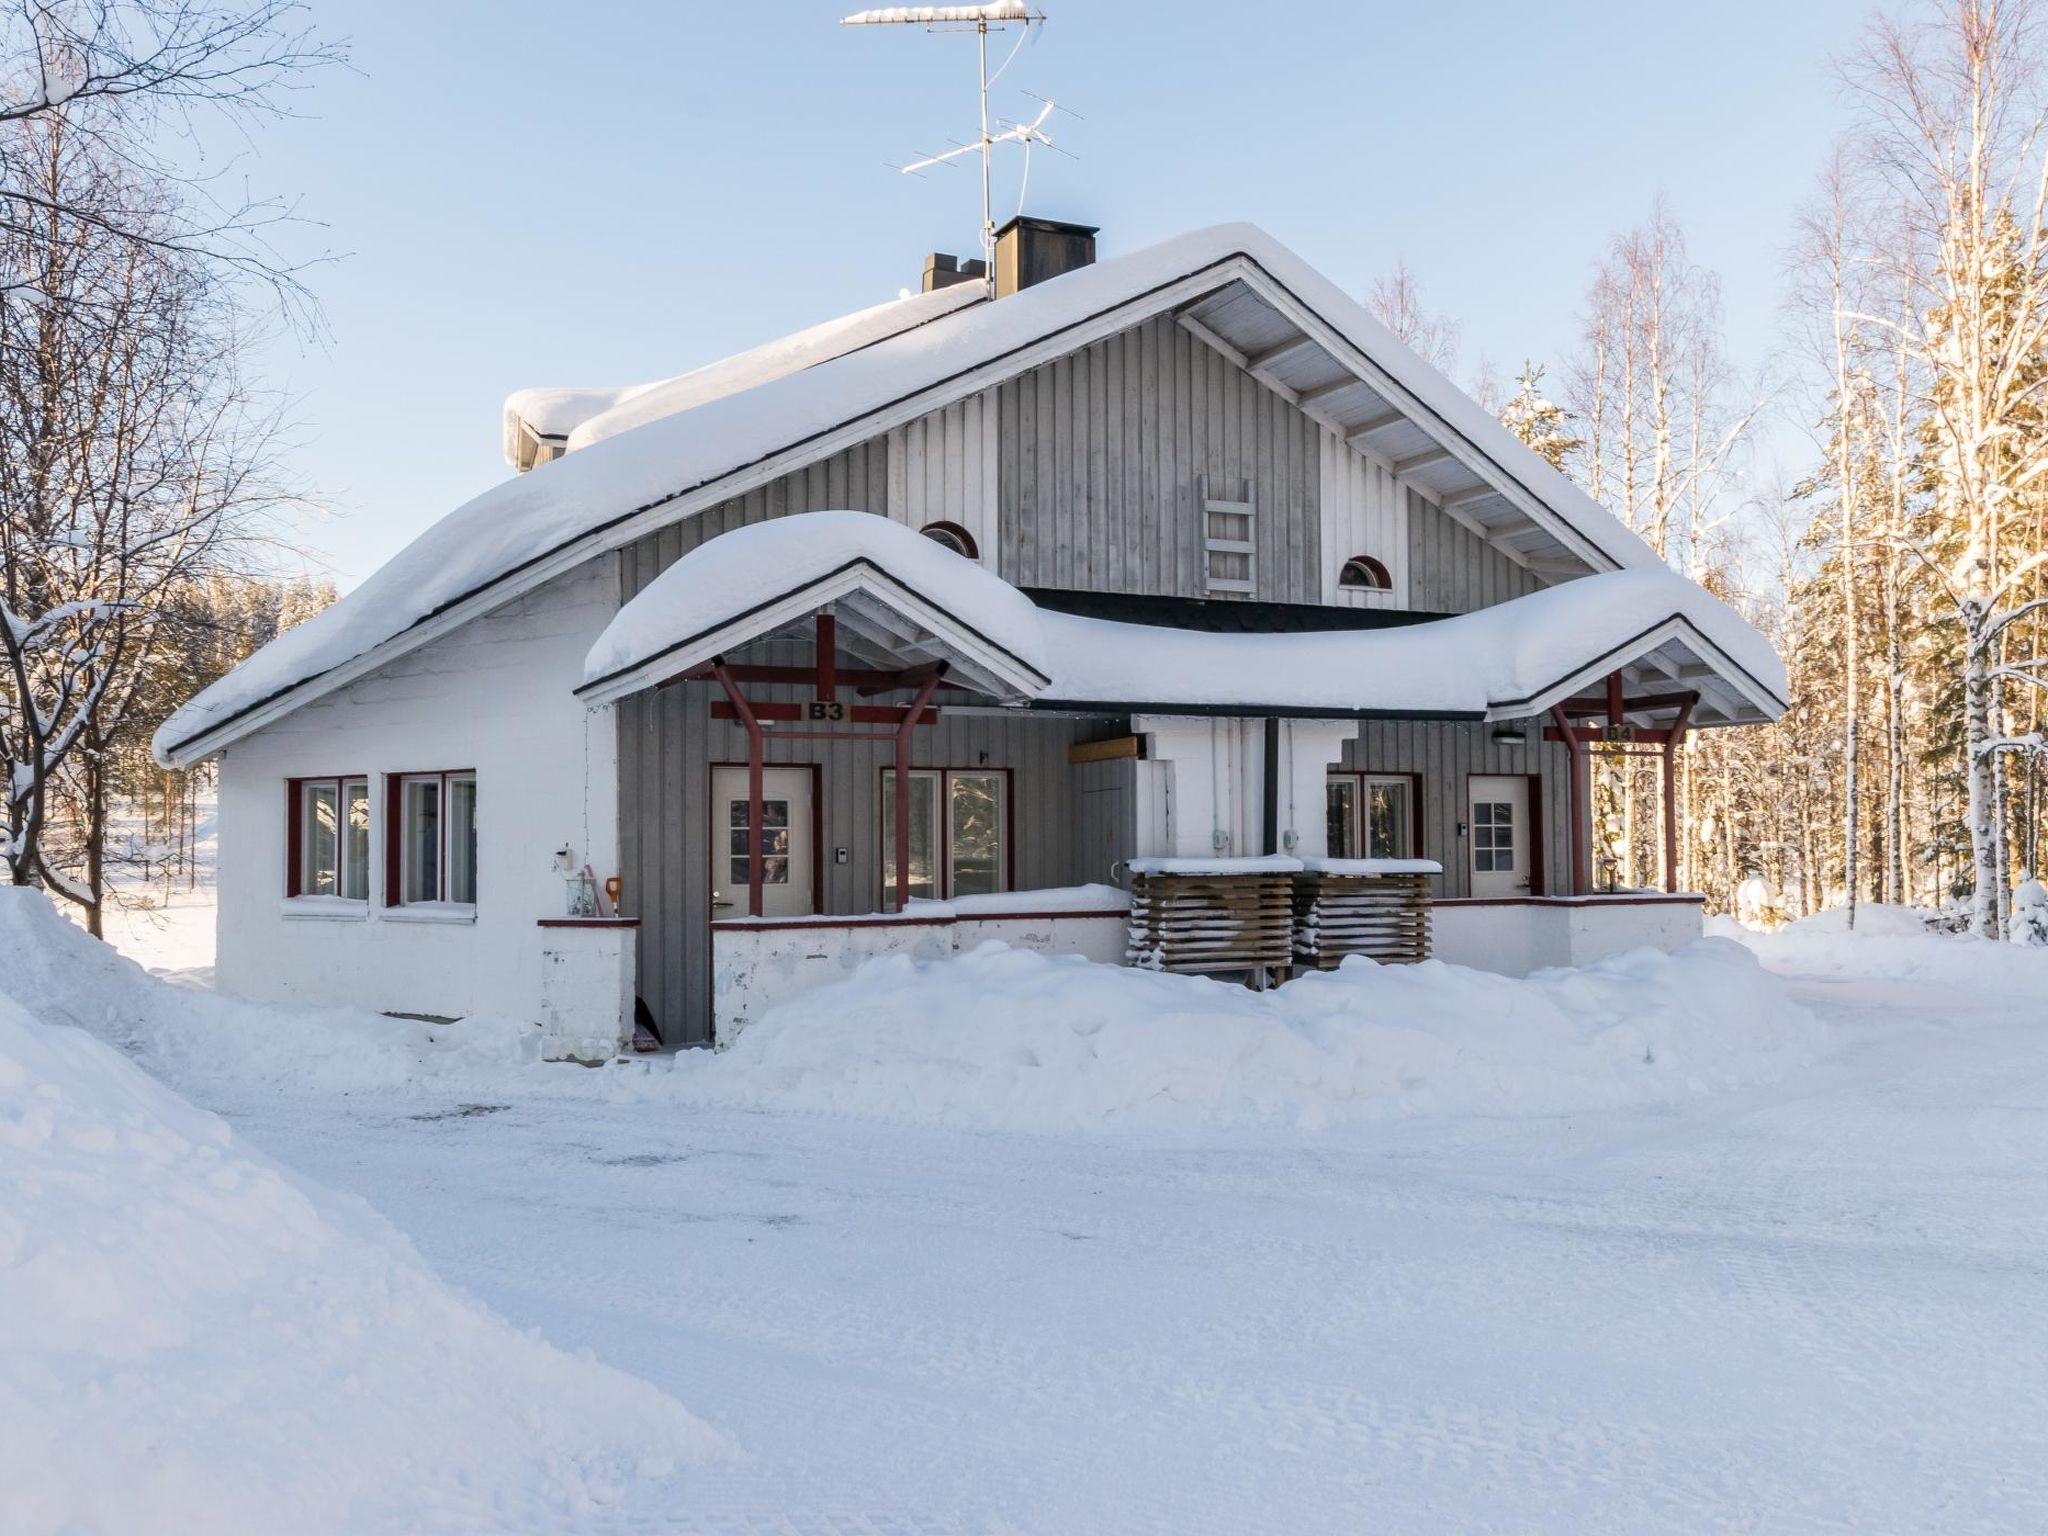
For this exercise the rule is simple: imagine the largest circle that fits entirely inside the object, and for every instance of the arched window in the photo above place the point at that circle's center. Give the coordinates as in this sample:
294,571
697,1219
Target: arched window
954,537
1362,573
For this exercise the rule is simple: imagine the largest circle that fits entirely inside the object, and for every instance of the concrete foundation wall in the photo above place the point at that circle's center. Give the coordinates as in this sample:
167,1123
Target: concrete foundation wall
1517,938
756,967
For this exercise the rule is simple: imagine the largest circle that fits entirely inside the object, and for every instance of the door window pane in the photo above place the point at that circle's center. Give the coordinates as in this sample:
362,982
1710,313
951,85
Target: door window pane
975,827
1493,836
461,840
320,869
355,862
774,841
422,858
1343,818
924,836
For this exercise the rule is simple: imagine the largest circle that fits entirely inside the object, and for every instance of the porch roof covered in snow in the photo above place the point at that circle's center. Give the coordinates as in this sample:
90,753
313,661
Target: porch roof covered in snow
905,600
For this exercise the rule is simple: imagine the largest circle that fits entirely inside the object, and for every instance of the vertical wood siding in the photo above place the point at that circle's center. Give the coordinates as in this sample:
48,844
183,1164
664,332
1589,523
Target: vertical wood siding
1086,473
1451,569
1446,754
1102,457
667,745
1364,511
942,468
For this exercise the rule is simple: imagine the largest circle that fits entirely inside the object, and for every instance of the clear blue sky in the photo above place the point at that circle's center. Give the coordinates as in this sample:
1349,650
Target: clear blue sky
610,192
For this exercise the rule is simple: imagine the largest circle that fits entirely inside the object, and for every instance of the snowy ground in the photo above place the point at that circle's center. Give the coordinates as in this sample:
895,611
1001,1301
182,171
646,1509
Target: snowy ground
1811,1303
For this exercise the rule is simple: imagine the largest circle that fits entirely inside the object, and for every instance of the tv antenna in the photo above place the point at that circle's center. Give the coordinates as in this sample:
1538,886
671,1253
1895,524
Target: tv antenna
991,15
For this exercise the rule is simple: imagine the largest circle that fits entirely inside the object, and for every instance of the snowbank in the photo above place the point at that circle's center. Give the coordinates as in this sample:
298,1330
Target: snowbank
1895,944
63,975
1008,1039
193,1340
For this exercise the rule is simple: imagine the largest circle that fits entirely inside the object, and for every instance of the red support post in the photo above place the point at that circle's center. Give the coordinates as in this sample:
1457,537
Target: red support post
1582,836
828,658
755,746
1672,743
910,719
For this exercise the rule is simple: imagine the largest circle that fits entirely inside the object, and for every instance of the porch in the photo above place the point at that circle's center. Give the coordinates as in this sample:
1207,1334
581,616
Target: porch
860,743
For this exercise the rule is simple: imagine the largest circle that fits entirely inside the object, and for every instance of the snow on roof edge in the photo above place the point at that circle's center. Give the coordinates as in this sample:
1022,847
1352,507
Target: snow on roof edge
1469,664
579,415
518,525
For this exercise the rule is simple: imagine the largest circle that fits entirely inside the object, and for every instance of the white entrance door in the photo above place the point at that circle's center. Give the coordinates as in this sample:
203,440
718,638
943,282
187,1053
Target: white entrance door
1498,835
786,862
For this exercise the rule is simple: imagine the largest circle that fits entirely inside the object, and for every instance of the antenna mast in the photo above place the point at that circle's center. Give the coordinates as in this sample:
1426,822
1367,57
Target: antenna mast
948,18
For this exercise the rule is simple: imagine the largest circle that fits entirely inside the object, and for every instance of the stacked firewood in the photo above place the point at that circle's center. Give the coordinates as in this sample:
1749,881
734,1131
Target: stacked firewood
1384,917
1211,922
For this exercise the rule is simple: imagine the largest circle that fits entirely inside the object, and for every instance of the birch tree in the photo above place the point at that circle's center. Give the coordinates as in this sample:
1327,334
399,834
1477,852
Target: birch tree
132,463
145,83
1951,126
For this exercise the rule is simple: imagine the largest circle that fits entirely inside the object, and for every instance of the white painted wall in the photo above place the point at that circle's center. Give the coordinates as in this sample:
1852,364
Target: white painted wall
495,696
943,468
1201,785
1516,938
1363,512
586,991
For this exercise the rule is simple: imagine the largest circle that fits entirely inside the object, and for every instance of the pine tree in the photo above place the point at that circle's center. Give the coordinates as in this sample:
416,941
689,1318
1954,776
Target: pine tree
1538,420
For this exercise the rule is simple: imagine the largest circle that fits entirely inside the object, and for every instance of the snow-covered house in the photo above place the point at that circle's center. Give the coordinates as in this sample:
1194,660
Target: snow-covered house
980,599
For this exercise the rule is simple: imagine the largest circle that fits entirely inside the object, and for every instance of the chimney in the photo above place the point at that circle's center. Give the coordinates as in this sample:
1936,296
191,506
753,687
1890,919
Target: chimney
1030,250
943,271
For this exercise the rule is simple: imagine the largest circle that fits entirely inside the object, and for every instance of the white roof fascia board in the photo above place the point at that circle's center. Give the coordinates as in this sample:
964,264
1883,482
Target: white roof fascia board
992,667
1677,627
1461,448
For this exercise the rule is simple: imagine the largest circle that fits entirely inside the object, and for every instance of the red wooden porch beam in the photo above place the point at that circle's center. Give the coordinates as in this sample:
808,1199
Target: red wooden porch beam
756,672
857,714
1582,837
909,677
745,714
1638,735
828,657
1635,706
910,719
1617,707
1672,741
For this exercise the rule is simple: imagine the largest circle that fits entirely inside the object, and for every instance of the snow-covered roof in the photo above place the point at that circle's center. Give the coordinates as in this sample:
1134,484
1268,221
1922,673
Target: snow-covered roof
579,417
880,576
526,531
1510,661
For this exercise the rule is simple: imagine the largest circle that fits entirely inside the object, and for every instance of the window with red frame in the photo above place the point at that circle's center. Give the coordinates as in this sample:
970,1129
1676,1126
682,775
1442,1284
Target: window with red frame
959,832
328,837
430,852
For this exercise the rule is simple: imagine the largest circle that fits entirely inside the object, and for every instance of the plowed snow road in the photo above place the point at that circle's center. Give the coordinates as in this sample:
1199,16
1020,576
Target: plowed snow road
1820,1306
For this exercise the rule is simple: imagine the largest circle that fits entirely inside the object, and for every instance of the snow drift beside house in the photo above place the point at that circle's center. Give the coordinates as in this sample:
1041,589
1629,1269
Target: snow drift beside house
1002,1038
63,975
193,1340
1894,943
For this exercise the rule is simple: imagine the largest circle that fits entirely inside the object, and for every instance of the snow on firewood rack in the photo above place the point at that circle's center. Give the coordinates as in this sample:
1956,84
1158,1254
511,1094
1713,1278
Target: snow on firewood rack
1212,915
1378,908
